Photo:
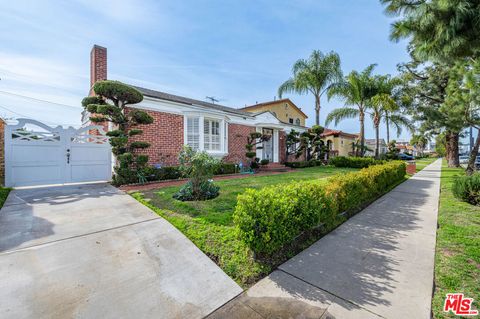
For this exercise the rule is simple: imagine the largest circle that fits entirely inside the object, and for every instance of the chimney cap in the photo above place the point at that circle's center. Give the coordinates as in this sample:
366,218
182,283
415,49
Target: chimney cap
96,46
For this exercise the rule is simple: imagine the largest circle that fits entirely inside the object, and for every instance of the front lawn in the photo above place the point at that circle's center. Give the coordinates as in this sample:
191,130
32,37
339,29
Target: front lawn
422,163
209,224
457,256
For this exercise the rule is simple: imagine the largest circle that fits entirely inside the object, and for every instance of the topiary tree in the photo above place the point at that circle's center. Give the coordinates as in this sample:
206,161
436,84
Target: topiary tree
254,139
109,105
292,141
311,143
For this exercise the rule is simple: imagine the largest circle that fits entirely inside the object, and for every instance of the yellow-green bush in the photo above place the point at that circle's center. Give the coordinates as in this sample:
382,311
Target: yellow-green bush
269,218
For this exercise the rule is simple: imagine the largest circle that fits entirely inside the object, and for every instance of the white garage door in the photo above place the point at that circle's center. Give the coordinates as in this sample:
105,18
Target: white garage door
37,154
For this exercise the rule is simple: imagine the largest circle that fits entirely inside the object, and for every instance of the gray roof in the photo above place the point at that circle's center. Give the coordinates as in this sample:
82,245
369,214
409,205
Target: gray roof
188,101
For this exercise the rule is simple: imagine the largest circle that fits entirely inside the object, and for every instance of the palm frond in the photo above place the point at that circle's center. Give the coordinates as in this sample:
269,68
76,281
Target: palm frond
340,114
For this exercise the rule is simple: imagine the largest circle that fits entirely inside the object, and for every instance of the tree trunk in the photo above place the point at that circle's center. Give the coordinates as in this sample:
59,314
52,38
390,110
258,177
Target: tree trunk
387,122
452,149
377,140
473,156
317,109
361,136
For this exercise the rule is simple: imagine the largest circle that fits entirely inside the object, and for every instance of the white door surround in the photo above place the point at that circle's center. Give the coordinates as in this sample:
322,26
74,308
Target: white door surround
37,154
273,143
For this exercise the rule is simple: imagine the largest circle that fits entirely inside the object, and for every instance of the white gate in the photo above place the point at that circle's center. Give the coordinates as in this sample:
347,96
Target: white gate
37,154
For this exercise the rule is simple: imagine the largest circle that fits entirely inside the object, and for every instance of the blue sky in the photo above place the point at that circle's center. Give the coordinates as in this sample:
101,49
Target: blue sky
237,51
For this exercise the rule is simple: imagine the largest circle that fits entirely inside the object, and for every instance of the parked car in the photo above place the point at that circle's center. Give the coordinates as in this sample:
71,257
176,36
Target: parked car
405,157
463,159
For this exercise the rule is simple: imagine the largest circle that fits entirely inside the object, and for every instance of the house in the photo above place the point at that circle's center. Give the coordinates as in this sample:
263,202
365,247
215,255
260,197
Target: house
338,142
219,130
371,144
285,110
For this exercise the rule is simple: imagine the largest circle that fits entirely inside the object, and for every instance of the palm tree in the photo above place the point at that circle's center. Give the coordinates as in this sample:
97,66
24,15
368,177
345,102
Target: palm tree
383,104
419,141
316,75
398,120
356,90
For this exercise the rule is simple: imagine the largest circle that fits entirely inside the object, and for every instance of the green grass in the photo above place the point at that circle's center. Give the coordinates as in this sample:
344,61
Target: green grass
208,224
4,191
457,256
422,163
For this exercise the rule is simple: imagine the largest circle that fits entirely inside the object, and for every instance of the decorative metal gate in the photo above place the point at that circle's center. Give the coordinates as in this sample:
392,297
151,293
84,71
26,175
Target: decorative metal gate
37,154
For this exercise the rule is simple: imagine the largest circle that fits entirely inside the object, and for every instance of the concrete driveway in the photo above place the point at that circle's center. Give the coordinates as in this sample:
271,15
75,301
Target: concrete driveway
91,251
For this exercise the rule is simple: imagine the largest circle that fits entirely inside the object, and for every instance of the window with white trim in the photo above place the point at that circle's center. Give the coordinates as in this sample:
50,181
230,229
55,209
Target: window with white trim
211,135
193,132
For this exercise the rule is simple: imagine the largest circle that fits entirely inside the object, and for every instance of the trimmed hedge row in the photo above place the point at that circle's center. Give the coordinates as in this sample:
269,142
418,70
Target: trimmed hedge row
354,162
272,217
309,163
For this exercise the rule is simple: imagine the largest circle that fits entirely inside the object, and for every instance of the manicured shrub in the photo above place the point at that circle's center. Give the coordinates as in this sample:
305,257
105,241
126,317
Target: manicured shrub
264,162
226,168
467,189
354,162
304,164
272,217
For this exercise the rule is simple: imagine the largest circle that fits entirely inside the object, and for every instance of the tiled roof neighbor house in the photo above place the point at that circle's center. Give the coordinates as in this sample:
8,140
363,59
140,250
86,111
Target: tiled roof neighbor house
338,142
219,130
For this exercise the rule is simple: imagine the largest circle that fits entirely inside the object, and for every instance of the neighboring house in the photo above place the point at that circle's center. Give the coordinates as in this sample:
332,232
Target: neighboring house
284,109
338,142
371,143
219,130
405,147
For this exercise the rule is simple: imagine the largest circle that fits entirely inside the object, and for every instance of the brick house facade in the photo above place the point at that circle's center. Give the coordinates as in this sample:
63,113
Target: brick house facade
219,130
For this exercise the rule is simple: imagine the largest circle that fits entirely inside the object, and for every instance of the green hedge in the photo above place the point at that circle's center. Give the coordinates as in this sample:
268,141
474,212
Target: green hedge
309,163
272,217
173,172
354,162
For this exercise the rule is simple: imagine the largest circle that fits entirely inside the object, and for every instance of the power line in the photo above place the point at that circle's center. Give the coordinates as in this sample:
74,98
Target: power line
26,116
35,99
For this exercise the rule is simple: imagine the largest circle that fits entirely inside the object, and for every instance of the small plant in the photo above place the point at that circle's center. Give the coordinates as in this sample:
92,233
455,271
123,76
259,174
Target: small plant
264,162
199,167
467,189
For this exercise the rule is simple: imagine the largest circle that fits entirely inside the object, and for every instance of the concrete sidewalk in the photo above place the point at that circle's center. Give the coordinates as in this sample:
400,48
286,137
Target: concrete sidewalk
378,264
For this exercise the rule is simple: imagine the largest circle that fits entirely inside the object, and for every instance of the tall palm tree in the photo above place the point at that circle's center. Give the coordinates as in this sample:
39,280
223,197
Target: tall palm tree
383,103
356,90
316,75
398,120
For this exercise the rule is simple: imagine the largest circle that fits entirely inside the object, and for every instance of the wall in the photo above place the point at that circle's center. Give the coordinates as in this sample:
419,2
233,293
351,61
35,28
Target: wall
342,148
237,139
283,113
165,135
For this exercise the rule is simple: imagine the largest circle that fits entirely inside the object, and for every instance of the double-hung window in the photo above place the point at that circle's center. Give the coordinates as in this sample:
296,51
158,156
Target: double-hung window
203,133
193,132
211,135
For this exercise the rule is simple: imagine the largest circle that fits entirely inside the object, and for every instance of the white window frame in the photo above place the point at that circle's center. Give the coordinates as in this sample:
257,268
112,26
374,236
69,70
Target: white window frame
201,130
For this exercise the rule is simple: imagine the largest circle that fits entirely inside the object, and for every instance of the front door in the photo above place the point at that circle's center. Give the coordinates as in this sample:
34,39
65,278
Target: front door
268,145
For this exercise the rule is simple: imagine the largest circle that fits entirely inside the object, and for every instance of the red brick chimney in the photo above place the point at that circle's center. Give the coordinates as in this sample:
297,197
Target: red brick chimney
98,65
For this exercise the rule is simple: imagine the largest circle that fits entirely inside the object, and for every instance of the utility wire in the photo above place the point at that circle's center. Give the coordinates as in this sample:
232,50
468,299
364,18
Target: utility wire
26,116
35,99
